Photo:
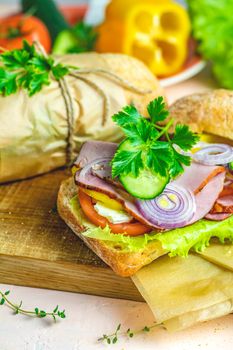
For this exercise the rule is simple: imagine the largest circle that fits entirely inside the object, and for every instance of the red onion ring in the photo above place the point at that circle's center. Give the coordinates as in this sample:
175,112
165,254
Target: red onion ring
180,210
214,154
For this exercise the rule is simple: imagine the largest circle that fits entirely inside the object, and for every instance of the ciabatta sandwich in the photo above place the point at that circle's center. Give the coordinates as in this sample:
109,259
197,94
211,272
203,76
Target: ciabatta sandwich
166,188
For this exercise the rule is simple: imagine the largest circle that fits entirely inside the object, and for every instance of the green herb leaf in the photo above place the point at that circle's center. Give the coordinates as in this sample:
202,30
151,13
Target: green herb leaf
29,48
55,310
59,71
159,157
157,110
33,81
140,133
85,37
177,164
41,63
61,314
151,147
125,162
42,313
128,115
146,329
8,83
184,137
26,69
114,340
15,59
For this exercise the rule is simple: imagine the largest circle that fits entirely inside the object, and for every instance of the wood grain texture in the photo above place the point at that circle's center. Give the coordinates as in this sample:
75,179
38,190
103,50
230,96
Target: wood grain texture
37,248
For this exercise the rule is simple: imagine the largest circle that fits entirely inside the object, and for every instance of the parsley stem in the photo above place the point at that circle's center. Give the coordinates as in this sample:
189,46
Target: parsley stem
167,136
165,129
159,127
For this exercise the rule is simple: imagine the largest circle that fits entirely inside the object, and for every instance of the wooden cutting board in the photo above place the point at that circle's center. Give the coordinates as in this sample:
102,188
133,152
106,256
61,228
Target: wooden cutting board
37,249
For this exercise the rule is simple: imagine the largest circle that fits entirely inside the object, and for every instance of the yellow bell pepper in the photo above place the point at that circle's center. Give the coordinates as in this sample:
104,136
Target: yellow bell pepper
155,31
103,198
119,8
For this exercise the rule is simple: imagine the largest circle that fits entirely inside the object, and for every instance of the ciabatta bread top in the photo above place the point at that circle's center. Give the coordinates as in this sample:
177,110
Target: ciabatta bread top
210,112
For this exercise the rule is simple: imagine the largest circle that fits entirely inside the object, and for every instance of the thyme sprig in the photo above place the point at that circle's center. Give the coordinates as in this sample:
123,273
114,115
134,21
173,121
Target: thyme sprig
129,333
17,308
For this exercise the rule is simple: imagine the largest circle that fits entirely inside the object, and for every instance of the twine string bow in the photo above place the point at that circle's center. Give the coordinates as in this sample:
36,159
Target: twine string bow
69,102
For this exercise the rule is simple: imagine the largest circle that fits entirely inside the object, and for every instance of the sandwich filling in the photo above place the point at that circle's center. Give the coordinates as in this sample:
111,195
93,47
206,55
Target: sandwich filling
164,198
211,186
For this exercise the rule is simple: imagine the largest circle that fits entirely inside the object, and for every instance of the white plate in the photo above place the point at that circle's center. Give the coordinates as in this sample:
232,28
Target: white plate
193,65
185,74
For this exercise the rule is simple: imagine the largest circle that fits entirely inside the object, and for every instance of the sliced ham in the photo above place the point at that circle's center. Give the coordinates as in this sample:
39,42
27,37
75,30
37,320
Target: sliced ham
105,173
92,150
206,182
217,217
207,196
227,191
196,176
223,205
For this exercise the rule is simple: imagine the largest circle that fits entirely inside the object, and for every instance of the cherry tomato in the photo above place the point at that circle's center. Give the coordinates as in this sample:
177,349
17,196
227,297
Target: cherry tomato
15,29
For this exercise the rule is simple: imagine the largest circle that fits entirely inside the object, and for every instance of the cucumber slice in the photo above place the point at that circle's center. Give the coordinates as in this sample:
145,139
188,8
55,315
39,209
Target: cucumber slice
147,185
48,12
64,42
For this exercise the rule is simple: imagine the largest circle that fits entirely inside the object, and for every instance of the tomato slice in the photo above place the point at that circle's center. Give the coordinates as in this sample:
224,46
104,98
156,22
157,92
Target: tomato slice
130,229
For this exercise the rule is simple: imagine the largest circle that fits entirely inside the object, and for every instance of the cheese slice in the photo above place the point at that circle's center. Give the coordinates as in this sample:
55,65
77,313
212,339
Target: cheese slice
220,254
174,287
191,318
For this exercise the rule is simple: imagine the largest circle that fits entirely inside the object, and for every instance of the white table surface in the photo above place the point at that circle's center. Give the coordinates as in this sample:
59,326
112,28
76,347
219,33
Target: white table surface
88,317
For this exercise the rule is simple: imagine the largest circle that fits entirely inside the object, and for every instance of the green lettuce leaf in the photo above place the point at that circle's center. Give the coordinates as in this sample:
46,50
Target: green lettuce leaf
127,243
213,27
176,242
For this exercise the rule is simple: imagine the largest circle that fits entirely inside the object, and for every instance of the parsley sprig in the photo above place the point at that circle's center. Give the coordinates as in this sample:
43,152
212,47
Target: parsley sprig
85,37
151,145
27,69
17,308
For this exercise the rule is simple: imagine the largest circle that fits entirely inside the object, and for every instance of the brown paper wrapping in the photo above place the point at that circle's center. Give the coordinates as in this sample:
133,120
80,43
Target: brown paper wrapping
33,130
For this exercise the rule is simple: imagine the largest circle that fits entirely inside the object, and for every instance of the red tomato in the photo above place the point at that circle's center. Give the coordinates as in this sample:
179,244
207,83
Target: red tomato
131,229
14,29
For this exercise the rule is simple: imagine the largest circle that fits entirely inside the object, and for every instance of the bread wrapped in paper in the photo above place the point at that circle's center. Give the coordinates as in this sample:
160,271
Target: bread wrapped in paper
45,131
